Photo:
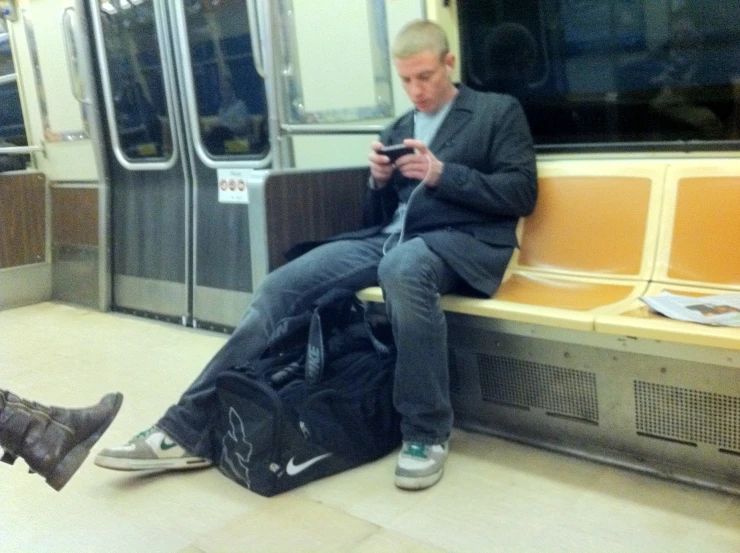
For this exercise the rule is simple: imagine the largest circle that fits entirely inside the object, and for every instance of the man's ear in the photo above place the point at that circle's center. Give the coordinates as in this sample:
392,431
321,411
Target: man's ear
449,62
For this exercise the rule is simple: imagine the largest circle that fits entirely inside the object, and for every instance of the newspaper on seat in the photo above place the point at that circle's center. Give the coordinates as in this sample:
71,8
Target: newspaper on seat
719,310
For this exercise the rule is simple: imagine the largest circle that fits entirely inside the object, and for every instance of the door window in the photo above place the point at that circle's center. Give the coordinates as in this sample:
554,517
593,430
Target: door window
12,128
137,88
229,91
341,73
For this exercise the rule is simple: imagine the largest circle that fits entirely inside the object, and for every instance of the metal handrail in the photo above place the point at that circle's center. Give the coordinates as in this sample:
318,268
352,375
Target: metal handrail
258,55
332,129
10,78
20,149
68,36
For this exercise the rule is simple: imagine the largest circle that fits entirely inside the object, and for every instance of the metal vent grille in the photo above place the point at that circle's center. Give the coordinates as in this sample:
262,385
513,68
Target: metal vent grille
560,391
686,415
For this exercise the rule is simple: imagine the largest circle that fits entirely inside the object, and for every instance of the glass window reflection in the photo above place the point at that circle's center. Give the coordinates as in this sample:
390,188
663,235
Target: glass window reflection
135,66
230,94
610,71
12,128
6,57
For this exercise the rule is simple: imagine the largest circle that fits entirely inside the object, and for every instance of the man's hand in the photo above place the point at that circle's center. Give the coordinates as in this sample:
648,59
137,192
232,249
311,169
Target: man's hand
381,167
421,165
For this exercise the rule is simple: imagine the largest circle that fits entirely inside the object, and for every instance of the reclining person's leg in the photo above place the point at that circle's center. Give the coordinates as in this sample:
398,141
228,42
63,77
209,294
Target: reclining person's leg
54,441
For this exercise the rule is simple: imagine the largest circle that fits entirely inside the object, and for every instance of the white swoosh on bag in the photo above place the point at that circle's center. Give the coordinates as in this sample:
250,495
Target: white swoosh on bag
292,469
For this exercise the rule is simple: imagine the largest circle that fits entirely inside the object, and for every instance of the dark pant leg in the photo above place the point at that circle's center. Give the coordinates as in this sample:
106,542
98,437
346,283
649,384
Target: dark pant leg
287,291
413,278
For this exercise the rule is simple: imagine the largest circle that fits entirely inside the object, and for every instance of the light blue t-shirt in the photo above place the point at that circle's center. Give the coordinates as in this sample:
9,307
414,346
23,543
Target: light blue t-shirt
425,128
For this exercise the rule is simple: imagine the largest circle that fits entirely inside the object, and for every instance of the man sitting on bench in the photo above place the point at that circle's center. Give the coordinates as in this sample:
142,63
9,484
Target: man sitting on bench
442,218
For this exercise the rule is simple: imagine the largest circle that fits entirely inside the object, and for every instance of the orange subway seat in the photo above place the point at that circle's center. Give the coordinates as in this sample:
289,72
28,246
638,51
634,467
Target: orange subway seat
579,295
587,224
706,231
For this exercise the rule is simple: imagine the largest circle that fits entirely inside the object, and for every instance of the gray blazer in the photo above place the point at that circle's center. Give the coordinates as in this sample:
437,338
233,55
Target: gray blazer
489,181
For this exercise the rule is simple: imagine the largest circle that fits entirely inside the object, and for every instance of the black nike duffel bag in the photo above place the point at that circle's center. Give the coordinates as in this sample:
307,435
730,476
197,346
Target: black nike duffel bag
306,411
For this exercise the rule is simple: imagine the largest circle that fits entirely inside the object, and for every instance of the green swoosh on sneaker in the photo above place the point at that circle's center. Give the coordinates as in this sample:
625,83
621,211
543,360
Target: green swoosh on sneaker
165,446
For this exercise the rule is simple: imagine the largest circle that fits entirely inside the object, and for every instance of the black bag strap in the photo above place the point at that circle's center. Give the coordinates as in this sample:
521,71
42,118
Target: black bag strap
338,308
316,354
290,329
379,345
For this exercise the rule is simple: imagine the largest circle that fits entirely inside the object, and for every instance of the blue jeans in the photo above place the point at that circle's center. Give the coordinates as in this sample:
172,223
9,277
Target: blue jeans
412,278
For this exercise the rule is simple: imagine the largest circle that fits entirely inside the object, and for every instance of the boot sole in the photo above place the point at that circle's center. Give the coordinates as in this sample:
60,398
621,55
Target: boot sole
69,464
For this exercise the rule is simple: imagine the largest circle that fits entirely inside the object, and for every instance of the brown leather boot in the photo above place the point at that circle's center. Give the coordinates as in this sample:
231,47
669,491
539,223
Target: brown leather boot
52,440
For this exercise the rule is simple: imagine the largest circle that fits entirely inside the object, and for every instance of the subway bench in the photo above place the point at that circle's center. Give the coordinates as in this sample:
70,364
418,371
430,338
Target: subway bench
565,356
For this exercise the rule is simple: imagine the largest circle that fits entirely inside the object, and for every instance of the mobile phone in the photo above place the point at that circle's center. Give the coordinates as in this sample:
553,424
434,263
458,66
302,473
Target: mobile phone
395,151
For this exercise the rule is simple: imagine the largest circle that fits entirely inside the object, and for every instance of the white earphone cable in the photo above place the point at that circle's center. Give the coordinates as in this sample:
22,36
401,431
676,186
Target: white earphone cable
387,245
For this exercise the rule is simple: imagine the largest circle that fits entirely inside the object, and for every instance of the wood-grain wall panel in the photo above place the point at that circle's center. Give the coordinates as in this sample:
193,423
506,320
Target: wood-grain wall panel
22,219
332,198
74,216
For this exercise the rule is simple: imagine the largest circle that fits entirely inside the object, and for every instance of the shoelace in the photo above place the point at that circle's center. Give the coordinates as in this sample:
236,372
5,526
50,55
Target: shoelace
415,450
146,433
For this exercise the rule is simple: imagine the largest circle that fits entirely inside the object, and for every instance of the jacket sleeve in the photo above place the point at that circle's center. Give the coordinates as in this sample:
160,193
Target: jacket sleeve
380,204
508,186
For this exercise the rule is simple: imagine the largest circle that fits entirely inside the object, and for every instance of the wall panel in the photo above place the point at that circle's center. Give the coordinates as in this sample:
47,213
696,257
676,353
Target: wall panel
22,219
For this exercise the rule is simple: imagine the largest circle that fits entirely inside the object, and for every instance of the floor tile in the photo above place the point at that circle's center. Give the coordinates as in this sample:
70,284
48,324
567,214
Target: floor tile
289,522
496,495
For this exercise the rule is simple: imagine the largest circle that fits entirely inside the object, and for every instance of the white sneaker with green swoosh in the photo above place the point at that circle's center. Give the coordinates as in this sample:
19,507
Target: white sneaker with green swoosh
150,450
420,465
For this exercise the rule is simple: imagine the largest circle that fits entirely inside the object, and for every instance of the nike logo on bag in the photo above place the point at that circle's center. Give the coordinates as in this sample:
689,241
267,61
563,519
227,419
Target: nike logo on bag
293,469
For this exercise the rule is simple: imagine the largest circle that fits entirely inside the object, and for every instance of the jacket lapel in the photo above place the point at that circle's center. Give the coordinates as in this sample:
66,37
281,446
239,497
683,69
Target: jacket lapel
459,116
404,129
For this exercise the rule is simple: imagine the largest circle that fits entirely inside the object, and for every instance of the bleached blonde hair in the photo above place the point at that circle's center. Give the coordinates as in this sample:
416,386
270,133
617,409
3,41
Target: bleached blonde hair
419,36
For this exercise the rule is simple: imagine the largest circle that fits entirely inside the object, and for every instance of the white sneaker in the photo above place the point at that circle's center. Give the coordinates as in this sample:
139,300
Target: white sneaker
150,450
420,465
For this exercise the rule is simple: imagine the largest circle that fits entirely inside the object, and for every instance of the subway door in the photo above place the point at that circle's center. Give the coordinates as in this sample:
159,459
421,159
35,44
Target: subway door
223,93
148,174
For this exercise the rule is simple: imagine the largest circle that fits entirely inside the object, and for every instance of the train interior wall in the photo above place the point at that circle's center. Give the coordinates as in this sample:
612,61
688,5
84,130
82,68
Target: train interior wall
497,494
